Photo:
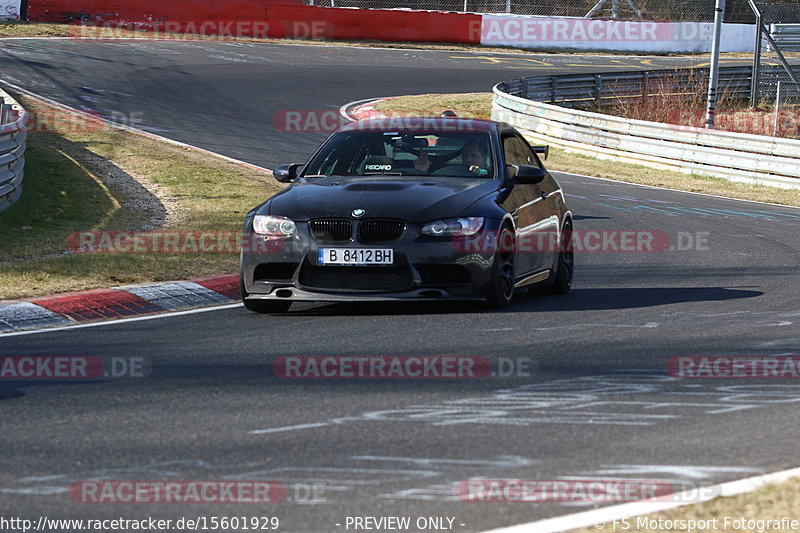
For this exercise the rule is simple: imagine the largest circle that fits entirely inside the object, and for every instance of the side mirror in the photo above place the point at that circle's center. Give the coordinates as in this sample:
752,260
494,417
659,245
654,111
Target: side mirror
286,173
527,174
542,149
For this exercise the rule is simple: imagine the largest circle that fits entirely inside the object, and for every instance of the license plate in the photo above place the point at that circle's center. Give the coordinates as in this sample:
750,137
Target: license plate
355,256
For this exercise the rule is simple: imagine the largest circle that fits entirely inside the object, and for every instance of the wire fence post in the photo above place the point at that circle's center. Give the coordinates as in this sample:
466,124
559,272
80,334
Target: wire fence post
777,108
713,78
756,61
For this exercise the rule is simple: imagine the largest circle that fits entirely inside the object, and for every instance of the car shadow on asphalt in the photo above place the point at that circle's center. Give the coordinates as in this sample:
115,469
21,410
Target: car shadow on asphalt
595,299
579,299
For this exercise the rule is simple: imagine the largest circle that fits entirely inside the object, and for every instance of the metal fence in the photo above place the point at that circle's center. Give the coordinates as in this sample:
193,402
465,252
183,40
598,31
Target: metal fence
787,108
778,43
592,91
734,156
670,10
12,148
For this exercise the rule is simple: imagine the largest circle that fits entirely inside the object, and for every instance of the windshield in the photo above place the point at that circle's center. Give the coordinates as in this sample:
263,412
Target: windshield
424,153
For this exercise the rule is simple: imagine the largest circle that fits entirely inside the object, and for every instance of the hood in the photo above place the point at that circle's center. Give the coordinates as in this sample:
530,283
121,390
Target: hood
410,198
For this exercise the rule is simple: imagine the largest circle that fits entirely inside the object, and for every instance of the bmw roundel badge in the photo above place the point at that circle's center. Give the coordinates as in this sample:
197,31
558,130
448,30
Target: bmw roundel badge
358,213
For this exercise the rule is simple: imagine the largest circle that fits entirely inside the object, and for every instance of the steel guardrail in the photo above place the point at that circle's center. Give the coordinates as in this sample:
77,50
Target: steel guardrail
576,90
788,34
13,137
552,116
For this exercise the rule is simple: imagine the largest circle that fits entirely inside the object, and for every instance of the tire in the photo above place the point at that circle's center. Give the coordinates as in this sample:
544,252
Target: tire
565,267
501,290
263,306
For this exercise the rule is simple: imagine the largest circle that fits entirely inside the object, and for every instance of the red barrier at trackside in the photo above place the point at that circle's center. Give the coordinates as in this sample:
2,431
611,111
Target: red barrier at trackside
283,18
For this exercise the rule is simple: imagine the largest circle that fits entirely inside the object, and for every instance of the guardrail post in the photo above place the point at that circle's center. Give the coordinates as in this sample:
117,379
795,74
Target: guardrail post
598,89
645,85
553,88
523,88
756,60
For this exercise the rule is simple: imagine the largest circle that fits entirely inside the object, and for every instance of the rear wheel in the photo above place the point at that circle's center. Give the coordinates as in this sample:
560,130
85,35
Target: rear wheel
565,266
501,291
263,306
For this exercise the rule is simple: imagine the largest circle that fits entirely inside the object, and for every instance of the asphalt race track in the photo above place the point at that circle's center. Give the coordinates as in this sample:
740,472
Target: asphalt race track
594,403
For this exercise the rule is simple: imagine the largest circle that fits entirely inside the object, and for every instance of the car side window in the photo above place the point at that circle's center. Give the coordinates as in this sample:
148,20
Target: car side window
517,152
535,159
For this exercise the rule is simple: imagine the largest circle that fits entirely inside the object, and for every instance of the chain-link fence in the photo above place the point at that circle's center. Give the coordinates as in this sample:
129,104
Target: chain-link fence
787,110
669,10
776,61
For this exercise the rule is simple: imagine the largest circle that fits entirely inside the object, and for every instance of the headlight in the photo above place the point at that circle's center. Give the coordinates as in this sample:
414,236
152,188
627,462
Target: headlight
273,226
453,227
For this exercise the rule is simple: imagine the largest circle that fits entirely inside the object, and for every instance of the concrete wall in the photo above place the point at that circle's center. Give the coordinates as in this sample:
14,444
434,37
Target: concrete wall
292,18
264,18
9,9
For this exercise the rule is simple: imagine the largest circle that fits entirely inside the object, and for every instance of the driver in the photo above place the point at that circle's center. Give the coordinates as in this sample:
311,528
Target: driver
474,155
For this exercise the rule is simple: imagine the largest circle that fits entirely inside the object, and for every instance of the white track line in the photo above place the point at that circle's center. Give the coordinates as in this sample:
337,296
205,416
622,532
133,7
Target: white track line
522,52
605,515
122,320
167,140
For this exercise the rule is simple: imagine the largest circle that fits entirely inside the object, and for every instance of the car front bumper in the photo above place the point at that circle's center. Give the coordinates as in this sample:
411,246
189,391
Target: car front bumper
425,268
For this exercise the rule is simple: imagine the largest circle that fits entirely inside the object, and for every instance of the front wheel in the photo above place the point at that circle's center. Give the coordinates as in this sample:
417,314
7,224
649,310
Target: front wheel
501,290
263,306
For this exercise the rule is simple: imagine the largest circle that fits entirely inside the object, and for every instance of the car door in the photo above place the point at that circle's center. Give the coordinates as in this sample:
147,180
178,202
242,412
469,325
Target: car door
553,197
527,204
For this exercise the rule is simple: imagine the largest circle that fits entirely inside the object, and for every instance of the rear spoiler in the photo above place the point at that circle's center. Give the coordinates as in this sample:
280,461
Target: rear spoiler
542,149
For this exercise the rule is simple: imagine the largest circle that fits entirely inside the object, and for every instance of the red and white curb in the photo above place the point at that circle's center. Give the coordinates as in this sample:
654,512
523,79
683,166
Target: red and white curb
118,302
362,109
614,515
69,309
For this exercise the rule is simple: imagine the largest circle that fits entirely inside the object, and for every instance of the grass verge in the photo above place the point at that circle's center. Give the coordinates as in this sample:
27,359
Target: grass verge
68,188
479,105
771,503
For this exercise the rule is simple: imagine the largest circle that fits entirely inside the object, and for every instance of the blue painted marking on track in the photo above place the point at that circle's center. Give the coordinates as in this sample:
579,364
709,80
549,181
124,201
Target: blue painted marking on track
701,211
778,214
638,209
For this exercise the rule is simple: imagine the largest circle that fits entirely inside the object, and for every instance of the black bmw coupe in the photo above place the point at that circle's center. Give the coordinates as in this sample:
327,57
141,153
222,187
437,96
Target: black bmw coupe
410,209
